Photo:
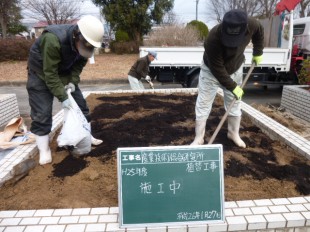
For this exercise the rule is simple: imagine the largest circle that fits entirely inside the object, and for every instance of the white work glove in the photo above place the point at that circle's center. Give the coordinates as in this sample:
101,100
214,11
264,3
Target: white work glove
70,86
148,78
66,104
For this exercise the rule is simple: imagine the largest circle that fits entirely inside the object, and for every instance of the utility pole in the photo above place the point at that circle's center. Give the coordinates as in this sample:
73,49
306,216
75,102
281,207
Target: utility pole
197,1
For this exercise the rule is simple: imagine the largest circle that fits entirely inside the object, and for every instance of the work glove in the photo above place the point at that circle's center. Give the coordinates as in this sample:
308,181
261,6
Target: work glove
70,86
148,78
238,92
66,104
257,59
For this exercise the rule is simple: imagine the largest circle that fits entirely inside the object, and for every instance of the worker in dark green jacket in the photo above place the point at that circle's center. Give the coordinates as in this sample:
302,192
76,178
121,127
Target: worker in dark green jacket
56,60
222,67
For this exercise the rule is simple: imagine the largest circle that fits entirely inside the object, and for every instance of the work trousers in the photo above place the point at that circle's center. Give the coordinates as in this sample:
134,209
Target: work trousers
207,89
41,104
135,84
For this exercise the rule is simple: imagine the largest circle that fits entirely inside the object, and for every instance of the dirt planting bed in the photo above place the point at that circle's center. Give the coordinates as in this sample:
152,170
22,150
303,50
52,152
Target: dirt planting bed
265,169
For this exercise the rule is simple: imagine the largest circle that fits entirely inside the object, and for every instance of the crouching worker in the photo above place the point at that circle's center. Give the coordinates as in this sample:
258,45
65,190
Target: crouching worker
56,60
140,70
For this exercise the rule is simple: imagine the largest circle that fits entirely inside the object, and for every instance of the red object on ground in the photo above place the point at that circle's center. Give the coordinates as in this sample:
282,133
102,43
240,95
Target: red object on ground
286,5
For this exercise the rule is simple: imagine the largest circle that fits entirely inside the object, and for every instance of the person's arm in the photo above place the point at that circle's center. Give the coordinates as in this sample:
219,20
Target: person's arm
51,55
257,36
77,70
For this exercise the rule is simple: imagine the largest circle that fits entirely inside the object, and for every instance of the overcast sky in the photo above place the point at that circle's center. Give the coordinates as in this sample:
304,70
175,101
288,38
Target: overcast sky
185,10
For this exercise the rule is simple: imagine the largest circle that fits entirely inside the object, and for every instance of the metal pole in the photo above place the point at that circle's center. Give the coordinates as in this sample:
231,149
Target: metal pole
197,1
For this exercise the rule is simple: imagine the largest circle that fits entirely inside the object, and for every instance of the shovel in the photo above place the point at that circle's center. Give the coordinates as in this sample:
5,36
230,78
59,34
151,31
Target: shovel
230,106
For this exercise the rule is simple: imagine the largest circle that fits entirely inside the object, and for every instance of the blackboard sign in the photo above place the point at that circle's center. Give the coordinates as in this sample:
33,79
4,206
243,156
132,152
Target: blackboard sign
170,185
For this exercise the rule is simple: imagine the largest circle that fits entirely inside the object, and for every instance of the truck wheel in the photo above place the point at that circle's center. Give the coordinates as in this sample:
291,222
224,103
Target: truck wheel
194,81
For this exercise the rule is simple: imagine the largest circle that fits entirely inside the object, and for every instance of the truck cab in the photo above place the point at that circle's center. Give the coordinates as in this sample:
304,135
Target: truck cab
301,34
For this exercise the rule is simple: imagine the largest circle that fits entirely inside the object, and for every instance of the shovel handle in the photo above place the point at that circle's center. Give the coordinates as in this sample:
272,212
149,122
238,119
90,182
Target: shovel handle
151,84
230,106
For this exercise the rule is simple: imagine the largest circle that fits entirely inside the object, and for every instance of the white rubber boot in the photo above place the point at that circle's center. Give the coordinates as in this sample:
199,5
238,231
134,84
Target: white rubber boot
200,129
233,131
95,142
44,149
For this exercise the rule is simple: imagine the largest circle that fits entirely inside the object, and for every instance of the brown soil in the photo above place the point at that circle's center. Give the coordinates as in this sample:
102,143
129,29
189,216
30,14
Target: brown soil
286,118
107,66
128,120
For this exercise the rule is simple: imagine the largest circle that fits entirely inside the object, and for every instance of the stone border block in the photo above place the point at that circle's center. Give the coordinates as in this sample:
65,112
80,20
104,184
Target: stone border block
8,108
296,99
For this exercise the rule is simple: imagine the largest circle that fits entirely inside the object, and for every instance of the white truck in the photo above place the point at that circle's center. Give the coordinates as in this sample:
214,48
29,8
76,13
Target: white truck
302,36
182,64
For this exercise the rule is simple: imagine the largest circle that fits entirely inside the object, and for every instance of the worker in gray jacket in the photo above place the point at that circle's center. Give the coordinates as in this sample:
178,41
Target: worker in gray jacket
222,67
140,70
55,62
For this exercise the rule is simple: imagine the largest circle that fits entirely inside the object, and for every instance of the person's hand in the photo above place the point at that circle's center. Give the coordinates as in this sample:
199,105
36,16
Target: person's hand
238,92
257,59
66,104
70,86
151,85
148,78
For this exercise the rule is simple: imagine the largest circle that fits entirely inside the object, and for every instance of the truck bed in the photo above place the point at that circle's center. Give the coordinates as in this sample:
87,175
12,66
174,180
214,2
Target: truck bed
278,58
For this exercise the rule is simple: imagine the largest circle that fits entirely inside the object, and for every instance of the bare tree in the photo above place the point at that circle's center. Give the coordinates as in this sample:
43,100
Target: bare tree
221,7
253,8
257,8
304,10
53,11
218,8
170,18
268,8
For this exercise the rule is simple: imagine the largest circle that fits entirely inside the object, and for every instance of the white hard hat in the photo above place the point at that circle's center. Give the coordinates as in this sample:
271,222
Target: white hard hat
92,30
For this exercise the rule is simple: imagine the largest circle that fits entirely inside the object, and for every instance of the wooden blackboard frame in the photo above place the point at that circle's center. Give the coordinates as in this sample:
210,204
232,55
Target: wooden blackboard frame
137,164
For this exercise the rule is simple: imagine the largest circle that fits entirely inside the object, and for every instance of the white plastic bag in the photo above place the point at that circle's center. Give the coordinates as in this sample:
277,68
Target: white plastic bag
75,130
83,147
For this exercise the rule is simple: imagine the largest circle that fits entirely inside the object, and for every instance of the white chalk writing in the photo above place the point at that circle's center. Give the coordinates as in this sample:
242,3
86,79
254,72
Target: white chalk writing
146,187
201,166
198,215
134,171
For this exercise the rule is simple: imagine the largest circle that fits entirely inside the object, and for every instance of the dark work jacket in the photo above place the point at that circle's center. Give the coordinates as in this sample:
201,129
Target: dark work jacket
54,58
140,69
224,61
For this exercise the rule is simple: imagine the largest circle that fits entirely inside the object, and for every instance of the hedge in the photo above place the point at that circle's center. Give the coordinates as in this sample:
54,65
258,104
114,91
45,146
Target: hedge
15,49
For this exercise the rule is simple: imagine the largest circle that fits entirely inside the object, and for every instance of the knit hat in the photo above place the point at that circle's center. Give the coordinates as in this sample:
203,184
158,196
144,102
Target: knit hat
234,27
153,53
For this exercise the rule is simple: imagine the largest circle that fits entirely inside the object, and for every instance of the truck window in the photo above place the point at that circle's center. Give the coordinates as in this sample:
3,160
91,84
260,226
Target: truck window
299,29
